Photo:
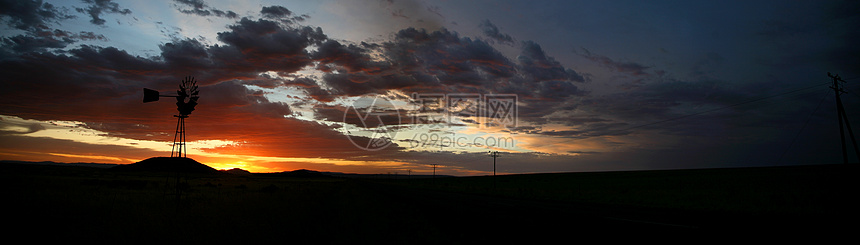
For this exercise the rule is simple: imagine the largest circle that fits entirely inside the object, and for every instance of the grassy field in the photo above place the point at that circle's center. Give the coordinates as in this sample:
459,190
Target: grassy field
92,204
793,190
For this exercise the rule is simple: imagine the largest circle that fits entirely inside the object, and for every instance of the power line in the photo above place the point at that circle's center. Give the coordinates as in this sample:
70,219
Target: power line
826,92
850,92
843,118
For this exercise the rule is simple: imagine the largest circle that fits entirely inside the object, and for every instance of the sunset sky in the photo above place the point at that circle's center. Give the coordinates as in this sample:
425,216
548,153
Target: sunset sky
598,85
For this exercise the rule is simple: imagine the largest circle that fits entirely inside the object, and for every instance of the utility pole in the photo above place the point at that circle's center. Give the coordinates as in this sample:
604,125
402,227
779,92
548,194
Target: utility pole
434,174
840,109
494,154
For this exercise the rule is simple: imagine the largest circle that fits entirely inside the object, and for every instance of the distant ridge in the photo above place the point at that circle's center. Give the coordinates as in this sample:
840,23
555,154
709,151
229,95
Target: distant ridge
236,171
167,164
78,164
305,173
301,173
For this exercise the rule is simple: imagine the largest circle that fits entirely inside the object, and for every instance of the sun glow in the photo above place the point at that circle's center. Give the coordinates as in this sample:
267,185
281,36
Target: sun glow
227,166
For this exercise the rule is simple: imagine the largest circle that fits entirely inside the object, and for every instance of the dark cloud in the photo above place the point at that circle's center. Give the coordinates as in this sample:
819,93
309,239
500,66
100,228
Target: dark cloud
88,35
282,14
34,18
417,58
267,37
262,45
196,4
251,47
31,14
589,130
491,31
29,43
566,118
352,57
312,89
96,8
537,65
112,59
227,14
186,54
275,12
631,68
558,89
199,7
242,100
542,84
44,39
355,84
451,59
443,62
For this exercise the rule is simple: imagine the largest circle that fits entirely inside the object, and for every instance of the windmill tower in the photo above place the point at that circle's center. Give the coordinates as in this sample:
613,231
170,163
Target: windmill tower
186,100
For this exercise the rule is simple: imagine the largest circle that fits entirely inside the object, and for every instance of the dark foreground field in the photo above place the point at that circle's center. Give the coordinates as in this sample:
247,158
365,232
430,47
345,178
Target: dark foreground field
68,203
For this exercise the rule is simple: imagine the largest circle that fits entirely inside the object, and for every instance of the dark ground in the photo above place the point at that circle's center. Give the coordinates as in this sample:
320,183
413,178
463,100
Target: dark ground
69,203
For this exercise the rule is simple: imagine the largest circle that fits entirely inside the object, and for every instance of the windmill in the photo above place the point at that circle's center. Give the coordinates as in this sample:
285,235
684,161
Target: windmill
186,100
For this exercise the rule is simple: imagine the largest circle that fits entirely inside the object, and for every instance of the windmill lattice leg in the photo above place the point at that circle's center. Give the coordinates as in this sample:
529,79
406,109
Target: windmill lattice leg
179,138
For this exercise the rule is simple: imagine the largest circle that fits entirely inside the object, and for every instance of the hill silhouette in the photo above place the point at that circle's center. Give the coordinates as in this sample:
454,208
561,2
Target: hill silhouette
301,173
167,164
236,171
